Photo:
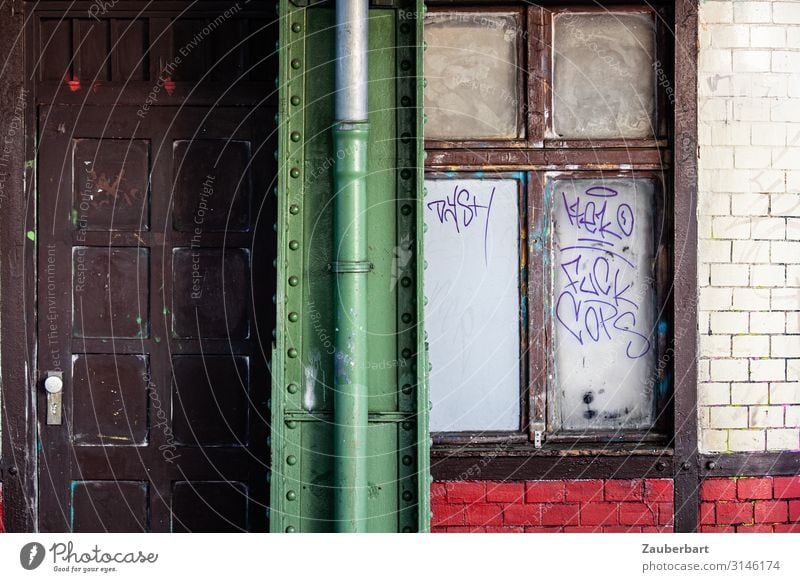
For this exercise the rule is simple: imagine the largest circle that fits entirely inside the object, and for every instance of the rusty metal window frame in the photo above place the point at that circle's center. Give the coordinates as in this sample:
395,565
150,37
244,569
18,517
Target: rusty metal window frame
541,157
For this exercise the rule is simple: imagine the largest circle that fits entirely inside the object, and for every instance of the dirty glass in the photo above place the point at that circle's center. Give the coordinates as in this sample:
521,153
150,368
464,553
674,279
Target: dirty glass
603,75
472,314
471,73
603,302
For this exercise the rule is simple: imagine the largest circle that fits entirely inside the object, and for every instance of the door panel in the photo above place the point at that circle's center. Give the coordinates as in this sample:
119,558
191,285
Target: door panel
156,249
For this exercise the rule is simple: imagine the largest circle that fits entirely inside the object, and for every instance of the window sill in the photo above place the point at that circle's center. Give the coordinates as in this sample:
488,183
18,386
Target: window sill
517,461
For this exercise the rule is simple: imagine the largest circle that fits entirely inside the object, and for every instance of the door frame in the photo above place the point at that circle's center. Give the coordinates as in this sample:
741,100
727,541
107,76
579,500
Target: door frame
18,275
19,383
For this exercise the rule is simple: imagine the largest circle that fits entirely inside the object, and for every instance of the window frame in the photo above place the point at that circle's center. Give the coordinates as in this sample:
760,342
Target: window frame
545,391
520,434
539,157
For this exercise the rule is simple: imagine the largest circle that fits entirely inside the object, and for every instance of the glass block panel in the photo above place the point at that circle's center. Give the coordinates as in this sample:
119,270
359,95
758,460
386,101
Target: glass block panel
471,71
473,312
603,75
603,302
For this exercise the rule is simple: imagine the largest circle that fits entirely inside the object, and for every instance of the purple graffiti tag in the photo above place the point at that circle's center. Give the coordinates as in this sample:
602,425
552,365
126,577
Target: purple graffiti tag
601,192
594,304
575,313
625,219
644,342
486,230
576,264
612,253
461,209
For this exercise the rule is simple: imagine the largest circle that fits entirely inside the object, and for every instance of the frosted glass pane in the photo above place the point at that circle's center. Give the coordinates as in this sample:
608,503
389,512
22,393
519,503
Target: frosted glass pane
603,302
472,314
603,76
471,71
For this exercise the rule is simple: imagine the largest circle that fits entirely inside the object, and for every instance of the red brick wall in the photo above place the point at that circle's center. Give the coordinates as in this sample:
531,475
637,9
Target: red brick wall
639,505
750,504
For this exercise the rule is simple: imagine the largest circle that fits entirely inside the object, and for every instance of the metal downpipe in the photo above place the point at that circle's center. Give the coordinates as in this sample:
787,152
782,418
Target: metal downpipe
351,266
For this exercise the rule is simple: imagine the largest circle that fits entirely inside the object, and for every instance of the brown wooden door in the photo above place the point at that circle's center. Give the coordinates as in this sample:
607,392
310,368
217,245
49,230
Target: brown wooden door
156,249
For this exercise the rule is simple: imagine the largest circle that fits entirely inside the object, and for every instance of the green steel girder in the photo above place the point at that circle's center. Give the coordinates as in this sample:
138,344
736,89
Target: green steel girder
302,412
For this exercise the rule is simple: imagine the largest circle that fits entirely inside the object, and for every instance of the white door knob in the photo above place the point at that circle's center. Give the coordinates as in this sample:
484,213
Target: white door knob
54,384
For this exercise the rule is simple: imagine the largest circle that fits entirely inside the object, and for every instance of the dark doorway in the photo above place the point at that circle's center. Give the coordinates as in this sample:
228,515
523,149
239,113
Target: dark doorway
155,248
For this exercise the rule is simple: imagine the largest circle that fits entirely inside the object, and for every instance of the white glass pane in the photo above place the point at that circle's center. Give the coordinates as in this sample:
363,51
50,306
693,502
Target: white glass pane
472,313
471,73
603,302
603,76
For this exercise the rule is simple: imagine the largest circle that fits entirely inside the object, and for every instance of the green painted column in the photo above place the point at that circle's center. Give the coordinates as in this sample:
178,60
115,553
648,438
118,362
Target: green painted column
310,265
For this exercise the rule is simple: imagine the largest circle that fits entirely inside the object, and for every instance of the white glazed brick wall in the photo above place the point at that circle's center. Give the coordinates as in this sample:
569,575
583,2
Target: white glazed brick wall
749,225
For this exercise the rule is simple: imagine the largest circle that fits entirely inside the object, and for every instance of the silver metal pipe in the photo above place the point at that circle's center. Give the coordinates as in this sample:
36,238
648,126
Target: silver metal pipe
351,59
350,144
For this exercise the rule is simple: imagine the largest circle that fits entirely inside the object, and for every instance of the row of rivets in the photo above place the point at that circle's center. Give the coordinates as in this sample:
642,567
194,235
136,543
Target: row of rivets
294,234
406,219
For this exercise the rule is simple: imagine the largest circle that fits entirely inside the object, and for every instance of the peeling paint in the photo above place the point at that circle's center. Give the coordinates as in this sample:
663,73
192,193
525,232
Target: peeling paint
310,373
342,362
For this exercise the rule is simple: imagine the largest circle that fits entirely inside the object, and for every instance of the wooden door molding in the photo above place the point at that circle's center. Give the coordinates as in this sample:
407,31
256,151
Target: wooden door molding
17,280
